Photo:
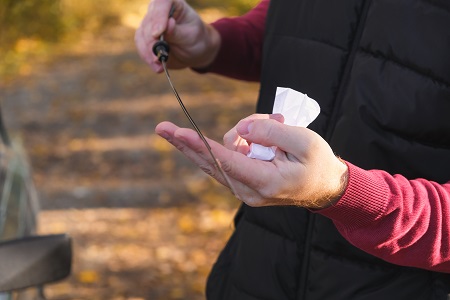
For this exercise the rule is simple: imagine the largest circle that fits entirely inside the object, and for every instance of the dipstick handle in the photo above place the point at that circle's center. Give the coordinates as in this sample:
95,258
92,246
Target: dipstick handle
161,49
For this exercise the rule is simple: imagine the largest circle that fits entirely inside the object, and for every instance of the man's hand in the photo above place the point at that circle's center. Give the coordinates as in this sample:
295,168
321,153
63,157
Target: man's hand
192,42
305,172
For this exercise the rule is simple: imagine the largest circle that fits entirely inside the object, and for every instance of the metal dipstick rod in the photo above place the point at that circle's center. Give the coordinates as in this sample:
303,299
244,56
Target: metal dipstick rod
161,50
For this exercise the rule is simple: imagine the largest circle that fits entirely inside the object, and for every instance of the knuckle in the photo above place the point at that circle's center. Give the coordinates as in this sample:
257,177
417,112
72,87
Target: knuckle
269,130
226,167
208,170
201,150
179,147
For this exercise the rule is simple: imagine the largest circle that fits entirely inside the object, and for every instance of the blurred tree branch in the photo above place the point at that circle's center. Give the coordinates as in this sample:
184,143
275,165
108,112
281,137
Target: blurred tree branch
29,19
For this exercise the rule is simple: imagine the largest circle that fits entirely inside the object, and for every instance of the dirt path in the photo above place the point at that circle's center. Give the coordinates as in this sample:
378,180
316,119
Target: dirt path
146,223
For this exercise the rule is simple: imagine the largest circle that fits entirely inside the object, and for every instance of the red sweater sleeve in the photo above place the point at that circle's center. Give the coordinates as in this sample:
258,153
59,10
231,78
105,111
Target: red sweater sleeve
405,222
240,53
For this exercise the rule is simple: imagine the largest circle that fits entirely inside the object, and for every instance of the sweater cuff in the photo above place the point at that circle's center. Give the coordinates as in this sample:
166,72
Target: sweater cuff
365,199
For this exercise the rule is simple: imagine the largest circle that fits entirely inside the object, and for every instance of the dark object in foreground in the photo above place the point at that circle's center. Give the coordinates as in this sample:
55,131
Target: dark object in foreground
34,261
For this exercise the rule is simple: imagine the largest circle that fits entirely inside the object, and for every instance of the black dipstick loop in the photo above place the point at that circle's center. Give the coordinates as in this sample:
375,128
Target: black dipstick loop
161,50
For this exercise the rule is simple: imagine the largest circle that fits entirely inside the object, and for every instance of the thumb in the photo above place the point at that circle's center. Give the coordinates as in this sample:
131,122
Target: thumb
272,133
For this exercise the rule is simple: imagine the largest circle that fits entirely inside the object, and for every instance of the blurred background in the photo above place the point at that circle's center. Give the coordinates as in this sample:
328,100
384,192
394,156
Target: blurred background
146,223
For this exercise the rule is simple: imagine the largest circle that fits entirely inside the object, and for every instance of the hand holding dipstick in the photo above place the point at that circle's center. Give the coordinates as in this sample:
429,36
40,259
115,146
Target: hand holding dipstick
161,49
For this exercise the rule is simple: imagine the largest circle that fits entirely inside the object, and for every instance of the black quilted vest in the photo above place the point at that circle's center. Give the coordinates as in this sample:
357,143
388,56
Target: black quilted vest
380,70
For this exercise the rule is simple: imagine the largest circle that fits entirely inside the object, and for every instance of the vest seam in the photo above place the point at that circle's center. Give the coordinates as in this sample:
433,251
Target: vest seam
381,56
411,139
376,266
438,5
308,39
374,123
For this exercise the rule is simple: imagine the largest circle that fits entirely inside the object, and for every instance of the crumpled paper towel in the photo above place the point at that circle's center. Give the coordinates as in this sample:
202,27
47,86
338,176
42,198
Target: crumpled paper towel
298,110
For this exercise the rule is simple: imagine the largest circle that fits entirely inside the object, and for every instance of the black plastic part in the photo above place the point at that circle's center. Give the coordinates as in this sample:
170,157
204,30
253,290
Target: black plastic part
161,49
3,132
34,261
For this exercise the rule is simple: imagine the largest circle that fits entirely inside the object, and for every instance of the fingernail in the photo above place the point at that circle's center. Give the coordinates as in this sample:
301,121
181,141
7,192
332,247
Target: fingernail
245,128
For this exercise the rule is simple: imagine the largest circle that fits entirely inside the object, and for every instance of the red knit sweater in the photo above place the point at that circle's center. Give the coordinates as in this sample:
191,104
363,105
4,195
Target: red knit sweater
405,222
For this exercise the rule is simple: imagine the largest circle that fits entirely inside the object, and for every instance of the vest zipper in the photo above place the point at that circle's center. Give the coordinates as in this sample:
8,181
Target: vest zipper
346,73
305,263
301,295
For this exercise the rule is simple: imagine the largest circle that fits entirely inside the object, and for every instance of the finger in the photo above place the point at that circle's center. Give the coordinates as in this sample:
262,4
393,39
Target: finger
145,51
168,131
232,141
189,143
199,153
141,46
193,147
290,139
171,26
277,117
166,128
242,126
253,174
158,12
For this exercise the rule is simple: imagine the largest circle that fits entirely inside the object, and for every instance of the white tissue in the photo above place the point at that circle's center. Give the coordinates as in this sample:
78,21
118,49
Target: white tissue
298,110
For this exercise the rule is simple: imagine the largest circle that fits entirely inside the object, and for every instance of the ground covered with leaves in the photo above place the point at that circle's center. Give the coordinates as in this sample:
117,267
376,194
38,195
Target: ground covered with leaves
145,222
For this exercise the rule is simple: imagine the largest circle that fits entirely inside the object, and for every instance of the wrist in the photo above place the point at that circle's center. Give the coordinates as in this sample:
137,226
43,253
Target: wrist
337,187
211,48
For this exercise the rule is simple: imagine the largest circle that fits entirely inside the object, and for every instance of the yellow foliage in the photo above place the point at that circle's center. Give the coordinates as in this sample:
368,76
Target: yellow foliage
27,45
177,293
161,145
88,276
186,224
